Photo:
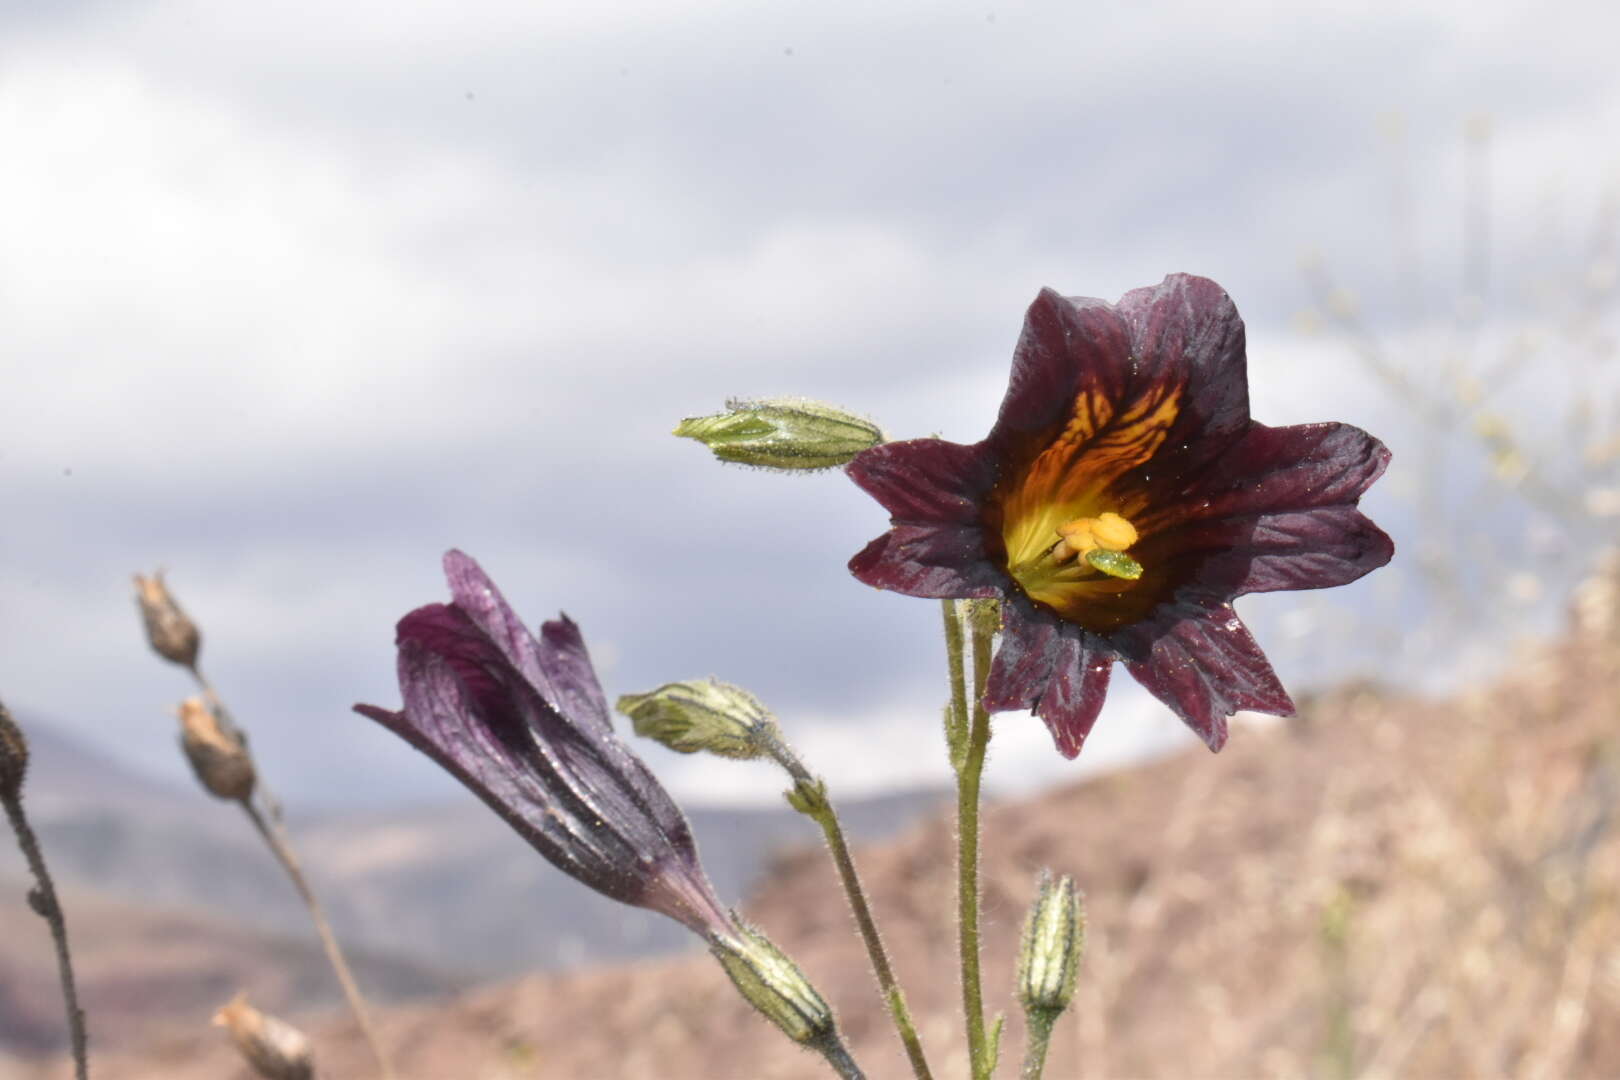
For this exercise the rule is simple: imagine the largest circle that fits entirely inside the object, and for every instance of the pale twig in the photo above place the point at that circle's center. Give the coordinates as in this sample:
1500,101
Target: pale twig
273,836
42,898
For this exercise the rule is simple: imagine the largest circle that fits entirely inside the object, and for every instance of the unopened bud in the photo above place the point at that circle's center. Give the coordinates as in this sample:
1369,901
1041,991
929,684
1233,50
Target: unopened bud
272,1046
172,634
703,714
1049,957
783,433
774,985
217,751
13,756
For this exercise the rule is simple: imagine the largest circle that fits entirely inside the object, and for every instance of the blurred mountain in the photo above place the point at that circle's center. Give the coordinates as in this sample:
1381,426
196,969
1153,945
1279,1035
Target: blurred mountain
445,888
145,971
1385,886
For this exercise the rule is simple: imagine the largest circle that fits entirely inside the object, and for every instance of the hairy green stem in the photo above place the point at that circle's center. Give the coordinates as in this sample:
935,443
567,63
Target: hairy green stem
818,807
969,771
837,1055
43,900
1040,1037
351,990
956,713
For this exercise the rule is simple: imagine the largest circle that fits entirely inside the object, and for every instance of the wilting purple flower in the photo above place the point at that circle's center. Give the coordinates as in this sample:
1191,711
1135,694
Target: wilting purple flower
523,723
1121,501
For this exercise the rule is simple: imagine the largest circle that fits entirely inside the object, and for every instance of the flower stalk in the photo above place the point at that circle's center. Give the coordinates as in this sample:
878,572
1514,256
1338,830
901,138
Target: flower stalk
42,897
706,715
809,797
982,1046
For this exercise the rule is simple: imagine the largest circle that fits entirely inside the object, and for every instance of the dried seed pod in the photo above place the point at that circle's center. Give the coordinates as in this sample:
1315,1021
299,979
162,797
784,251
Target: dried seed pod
13,756
273,1047
217,751
170,631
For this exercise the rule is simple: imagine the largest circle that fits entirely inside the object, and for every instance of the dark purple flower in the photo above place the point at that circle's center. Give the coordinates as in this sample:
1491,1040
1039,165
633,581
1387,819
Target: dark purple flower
1121,501
523,723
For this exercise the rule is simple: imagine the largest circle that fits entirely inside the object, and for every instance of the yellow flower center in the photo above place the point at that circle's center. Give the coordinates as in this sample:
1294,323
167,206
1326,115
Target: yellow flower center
1063,516
1054,575
1107,531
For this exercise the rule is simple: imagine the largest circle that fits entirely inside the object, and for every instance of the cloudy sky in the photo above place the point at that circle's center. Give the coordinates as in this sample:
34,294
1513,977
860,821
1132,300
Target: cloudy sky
293,297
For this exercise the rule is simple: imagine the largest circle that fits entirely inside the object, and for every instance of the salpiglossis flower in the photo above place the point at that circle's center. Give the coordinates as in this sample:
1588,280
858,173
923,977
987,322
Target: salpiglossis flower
1123,498
522,722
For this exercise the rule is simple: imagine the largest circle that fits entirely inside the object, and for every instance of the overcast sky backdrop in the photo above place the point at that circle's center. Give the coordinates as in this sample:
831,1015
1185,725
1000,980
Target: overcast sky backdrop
295,296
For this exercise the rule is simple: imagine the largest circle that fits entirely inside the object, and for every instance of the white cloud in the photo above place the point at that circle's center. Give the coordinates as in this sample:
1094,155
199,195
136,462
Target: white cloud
298,312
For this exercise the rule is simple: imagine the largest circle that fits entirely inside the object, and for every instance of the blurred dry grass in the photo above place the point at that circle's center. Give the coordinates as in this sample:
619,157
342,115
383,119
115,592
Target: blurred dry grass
1385,887
1500,356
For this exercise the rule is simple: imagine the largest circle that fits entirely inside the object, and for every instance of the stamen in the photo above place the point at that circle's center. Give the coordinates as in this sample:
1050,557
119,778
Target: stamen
1107,531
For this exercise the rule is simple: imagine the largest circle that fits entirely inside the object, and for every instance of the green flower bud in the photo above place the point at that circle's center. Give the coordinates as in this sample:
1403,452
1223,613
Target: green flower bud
703,714
1049,957
775,986
783,433
13,756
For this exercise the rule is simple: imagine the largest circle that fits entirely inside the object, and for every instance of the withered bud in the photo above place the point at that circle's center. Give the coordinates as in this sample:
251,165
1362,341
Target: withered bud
272,1046
13,756
773,984
170,631
702,714
217,751
1049,956
783,433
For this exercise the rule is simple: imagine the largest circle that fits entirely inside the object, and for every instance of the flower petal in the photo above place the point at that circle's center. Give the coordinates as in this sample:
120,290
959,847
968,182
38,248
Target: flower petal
925,481
1069,346
1186,331
1307,549
1052,668
567,665
578,796
474,593
1276,511
1206,666
928,560
1274,469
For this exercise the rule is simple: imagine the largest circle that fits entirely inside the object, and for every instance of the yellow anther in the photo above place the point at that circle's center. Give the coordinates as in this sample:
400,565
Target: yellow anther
1107,531
1114,532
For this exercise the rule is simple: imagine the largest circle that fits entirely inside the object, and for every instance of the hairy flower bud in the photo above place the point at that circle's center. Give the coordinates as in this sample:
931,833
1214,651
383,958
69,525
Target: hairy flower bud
273,1047
783,433
172,634
702,714
1049,956
773,984
217,751
13,756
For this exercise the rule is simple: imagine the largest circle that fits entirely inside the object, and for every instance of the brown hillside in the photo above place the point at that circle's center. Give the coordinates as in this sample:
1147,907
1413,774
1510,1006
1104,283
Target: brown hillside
142,969
1384,887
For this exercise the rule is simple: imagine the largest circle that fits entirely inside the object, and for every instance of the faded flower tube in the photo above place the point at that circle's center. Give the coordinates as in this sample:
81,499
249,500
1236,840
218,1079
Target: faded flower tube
522,722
